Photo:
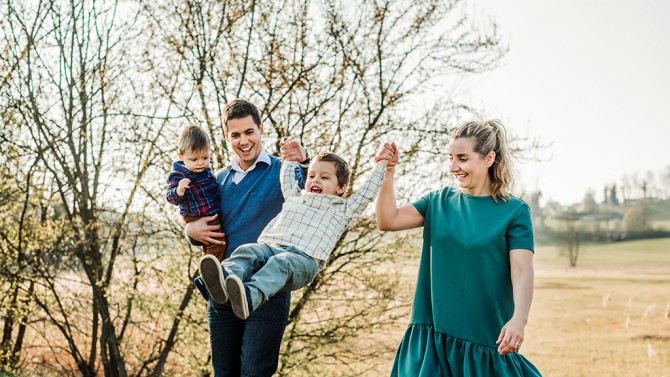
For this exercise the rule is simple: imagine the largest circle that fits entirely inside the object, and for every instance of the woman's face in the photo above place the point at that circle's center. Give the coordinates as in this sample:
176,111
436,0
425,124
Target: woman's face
469,168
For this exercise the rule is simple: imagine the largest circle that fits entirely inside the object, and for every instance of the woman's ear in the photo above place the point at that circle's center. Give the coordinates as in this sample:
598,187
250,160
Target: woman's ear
490,158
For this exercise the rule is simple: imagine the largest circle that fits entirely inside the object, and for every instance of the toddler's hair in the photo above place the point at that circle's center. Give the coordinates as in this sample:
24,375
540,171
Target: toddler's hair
490,136
341,166
192,139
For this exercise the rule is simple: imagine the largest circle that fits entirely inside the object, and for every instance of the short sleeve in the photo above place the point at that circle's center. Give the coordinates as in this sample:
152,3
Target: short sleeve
520,232
421,205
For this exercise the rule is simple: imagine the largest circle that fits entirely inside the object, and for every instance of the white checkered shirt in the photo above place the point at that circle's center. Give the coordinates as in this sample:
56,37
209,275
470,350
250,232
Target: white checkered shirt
314,222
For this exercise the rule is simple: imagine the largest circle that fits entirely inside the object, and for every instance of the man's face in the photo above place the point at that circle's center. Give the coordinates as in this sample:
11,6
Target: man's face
245,138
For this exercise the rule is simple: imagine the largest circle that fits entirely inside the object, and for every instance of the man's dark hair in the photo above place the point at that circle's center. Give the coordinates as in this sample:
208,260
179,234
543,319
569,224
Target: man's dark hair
240,108
341,166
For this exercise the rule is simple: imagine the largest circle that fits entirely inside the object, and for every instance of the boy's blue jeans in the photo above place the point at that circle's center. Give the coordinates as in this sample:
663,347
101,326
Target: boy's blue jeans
268,269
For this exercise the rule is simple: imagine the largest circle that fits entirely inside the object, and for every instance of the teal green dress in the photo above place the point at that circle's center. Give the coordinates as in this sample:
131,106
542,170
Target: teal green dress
464,295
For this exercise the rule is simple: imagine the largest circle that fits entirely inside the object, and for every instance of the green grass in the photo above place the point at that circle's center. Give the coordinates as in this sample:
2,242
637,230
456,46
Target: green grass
644,256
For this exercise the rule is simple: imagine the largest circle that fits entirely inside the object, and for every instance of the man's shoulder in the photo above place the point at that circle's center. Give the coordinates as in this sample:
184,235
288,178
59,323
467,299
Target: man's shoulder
274,160
223,171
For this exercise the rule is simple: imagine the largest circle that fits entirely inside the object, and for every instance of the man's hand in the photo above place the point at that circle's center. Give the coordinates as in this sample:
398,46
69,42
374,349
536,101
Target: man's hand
183,185
291,150
202,232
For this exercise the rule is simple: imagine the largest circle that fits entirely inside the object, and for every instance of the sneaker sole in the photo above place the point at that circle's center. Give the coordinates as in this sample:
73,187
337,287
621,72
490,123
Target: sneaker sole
238,298
212,275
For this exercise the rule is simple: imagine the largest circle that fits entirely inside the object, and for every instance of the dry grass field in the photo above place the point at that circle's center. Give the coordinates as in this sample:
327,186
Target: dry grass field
609,316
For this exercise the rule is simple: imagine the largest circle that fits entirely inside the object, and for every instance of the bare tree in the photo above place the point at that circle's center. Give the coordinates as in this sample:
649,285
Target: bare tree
80,118
97,92
338,76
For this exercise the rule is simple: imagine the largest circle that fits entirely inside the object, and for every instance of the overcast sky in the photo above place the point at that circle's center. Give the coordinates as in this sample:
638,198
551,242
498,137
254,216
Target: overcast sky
592,78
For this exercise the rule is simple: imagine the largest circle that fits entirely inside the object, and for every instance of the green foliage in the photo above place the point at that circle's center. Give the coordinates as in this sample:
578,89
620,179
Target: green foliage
636,219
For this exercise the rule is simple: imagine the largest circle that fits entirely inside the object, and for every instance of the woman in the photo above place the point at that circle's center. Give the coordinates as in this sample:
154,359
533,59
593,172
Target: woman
475,282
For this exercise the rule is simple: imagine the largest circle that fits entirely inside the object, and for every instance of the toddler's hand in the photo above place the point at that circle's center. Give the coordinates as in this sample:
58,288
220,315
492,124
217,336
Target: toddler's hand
183,185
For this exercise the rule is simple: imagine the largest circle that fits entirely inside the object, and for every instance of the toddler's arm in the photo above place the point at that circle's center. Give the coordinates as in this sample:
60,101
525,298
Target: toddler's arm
172,196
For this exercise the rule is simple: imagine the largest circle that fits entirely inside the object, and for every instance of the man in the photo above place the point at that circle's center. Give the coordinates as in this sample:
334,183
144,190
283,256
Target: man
250,197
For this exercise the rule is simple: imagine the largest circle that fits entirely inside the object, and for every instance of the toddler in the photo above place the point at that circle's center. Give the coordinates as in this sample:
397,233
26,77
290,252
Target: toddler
192,185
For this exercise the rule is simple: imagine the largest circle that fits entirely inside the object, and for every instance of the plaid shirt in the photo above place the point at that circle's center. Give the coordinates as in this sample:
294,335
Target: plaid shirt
202,196
314,222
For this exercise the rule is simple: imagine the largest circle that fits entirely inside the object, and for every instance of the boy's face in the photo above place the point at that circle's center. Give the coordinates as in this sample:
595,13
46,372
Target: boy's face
322,179
195,161
468,167
245,137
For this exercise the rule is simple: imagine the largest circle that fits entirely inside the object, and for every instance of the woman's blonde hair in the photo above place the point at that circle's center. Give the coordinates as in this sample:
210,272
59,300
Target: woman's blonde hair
490,136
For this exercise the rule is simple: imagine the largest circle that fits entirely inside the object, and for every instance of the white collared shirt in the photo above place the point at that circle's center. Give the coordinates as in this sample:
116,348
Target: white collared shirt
241,173
262,157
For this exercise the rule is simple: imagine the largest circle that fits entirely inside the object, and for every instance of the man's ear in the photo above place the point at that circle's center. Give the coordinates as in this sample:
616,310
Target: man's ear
260,128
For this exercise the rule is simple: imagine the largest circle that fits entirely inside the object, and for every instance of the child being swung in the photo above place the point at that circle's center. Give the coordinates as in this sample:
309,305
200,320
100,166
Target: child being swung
192,185
296,244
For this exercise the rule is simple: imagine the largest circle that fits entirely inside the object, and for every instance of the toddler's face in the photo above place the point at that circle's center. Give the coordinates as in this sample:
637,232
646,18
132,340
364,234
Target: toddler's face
322,178
195,161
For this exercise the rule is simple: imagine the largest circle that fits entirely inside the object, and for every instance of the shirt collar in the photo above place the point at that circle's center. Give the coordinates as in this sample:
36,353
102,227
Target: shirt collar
263,156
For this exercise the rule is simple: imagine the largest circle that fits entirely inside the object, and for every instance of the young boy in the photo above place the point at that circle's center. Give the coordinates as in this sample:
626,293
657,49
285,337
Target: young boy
191,184
296,244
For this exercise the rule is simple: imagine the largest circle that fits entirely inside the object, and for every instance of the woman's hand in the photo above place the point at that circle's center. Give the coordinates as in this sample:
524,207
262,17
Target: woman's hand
388,151
511,336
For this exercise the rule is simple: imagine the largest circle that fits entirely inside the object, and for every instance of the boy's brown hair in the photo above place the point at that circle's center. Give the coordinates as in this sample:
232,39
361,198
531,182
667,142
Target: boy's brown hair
341,166
192,139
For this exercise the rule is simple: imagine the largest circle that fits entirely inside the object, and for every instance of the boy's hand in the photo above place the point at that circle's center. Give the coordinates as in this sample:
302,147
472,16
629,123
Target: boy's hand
291,150
389,153
183,185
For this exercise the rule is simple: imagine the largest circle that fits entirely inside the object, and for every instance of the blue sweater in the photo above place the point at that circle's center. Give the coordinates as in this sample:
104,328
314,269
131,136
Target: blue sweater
250,204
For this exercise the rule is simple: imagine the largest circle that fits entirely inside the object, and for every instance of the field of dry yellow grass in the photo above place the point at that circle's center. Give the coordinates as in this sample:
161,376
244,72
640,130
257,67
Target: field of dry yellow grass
609,316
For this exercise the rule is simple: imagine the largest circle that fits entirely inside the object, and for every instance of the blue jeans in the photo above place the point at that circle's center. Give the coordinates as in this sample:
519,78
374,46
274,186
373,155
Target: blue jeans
250,347
268,269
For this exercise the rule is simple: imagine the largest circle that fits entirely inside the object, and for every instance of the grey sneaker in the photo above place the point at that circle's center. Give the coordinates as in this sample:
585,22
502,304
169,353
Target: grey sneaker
213,275
240,299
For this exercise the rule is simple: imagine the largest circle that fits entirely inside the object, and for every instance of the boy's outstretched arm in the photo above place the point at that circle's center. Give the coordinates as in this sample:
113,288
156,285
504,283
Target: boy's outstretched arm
358,202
